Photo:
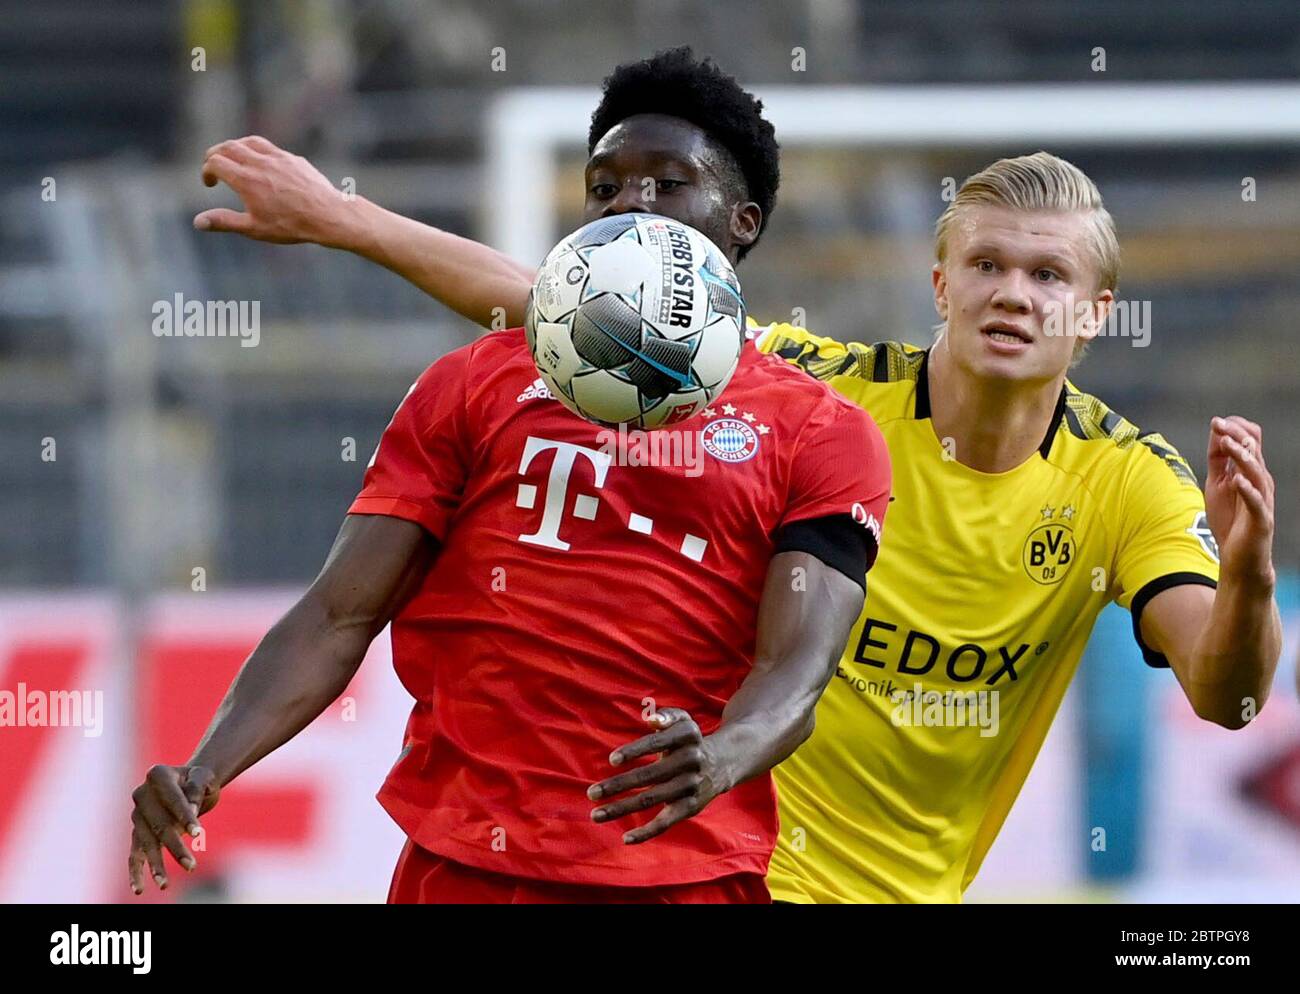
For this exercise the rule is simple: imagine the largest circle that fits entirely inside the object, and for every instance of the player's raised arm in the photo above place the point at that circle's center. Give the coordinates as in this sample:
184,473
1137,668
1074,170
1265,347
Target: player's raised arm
287,201
1224,644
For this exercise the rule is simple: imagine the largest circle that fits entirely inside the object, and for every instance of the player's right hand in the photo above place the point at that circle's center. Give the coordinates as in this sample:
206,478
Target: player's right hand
286,199
167,805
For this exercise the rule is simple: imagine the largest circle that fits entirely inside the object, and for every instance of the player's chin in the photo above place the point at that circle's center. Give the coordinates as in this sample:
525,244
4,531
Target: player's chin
1027,361
1007,367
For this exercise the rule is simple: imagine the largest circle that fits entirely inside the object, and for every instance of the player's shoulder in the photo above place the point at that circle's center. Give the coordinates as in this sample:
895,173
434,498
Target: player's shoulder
479,369
789,378
510,340
495,345
801,406
1093,433
825,358
495,350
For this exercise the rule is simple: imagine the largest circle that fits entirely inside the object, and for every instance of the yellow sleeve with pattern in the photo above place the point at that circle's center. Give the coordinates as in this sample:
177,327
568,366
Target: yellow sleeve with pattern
822,357
1164,538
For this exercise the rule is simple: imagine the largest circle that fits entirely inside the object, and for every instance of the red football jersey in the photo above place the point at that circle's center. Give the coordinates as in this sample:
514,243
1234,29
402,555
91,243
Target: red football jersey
577,588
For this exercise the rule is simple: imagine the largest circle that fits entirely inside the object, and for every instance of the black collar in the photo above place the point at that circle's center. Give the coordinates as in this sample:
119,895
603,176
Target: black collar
923,387
1045,449
922,410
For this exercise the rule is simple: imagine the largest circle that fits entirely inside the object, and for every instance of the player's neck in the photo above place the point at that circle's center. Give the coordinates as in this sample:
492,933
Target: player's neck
994,426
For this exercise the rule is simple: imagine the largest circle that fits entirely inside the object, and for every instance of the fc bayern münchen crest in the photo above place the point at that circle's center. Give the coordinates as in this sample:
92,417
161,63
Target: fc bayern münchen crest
729,439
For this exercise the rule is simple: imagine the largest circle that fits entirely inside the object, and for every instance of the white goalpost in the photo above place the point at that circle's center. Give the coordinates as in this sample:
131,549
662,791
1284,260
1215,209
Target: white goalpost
527,128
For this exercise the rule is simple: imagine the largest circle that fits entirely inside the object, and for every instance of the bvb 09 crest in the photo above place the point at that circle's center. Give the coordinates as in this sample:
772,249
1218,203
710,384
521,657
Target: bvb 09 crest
1050,548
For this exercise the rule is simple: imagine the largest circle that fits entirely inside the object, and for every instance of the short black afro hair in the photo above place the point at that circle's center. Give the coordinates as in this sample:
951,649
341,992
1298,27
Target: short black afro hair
675,83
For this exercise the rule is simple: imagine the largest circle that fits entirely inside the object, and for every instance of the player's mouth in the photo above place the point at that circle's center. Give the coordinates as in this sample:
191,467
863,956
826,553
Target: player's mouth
1007,339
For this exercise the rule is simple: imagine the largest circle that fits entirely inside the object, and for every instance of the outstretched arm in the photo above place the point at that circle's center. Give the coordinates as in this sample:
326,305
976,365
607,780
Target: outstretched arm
287,201
304,662
1224,644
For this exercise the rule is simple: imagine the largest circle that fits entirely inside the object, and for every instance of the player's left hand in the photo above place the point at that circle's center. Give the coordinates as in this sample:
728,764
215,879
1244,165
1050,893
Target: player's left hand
683,779
1239,500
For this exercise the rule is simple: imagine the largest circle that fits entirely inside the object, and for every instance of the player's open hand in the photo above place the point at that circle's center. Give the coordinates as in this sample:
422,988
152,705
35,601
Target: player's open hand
286,198
167,805
1239,500
683,779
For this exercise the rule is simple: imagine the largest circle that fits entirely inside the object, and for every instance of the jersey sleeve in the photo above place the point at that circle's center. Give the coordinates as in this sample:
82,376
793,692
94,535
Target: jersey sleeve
1164,537
820,357
419,469
840,467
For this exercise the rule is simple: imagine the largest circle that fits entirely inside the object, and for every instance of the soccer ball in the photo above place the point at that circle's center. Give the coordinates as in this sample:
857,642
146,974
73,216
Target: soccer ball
635,319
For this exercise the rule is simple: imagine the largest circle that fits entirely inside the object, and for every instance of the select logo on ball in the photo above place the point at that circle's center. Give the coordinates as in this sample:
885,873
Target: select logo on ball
682,412
729,439
548,359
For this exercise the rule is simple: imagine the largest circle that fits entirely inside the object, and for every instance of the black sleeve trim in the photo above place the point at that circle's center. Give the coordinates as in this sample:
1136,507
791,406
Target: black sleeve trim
836,539
1143,597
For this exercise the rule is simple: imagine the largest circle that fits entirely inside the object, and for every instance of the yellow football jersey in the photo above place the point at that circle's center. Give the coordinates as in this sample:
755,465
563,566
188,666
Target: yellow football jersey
978,609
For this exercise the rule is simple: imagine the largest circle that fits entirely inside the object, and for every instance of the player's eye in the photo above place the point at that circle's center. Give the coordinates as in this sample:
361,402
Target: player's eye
1046,275
603,191
666,185
985,266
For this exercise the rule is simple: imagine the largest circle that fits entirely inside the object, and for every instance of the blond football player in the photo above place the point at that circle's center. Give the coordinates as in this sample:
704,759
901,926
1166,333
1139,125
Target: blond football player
1023,506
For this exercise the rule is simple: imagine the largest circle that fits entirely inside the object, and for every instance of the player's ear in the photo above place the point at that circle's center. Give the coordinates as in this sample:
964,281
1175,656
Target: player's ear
1101,308
940,291
746,218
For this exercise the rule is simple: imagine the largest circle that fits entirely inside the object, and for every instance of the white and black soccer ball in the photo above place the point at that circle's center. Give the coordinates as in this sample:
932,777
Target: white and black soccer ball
636,319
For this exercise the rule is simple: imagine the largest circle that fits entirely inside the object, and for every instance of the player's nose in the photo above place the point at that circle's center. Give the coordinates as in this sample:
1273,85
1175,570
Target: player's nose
1013,293
628,201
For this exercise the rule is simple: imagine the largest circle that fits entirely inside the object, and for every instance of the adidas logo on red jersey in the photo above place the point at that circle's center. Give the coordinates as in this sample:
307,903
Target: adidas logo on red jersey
535,390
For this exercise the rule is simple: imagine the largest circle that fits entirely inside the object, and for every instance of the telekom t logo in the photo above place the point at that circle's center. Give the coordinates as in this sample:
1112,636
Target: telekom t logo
557,488
585,505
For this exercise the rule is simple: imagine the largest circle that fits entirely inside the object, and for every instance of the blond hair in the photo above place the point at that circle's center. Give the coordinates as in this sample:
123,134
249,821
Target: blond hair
1038,182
